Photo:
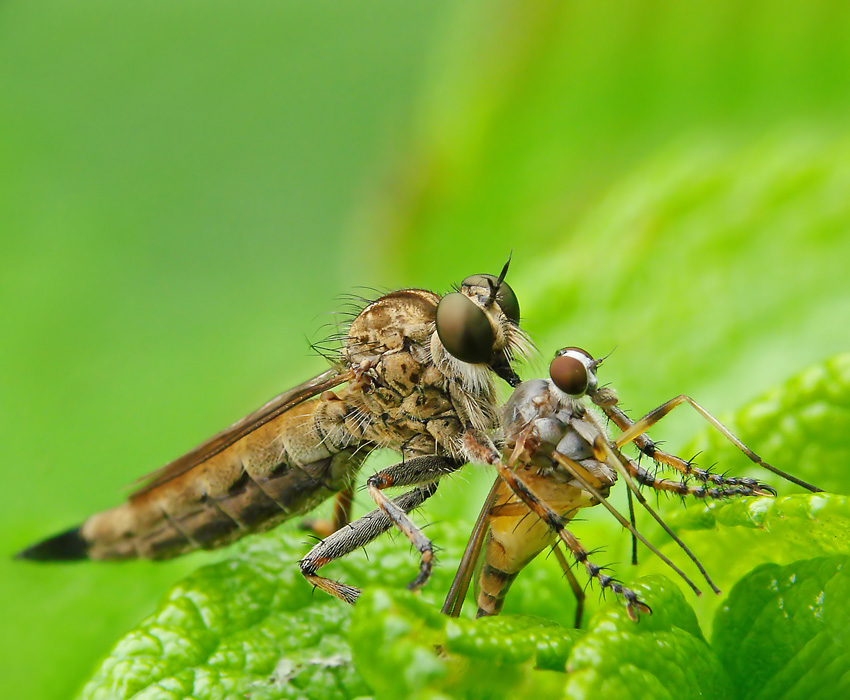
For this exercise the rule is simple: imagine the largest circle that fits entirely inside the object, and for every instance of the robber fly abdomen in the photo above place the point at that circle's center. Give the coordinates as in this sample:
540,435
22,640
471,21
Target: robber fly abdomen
418,372
281,469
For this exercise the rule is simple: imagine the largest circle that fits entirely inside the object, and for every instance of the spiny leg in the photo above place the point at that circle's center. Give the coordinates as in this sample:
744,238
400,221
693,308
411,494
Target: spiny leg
418,470
682,488
358,534
604,451
578,591
634,525
577,471
526,445
481,448
635,432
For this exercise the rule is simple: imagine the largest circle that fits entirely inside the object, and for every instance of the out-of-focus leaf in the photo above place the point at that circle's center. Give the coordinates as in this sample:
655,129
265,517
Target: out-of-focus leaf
782,633
513,638
404,649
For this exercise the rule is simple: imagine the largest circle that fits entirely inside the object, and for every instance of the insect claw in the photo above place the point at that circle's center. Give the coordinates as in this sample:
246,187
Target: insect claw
635,608
421,578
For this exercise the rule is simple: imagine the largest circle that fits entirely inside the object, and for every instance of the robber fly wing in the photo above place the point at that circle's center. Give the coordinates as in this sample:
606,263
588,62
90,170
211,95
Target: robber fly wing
217,443
466,568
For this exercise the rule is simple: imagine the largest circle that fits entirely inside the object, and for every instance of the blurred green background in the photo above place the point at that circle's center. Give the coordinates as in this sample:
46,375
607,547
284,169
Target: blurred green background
186,189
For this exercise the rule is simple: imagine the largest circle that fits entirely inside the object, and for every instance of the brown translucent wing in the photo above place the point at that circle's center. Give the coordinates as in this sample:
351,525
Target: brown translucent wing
241,428
466,569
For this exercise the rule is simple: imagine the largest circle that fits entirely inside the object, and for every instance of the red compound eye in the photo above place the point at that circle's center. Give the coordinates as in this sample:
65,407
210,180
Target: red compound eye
569,374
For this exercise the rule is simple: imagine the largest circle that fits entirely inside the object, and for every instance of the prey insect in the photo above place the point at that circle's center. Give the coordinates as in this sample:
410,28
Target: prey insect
414,374
558,459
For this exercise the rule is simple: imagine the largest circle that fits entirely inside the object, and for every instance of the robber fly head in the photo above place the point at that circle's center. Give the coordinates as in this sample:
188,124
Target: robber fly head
479,325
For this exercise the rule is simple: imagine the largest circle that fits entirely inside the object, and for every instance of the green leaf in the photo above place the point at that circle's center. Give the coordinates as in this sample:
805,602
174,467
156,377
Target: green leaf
662,656
732,538
410,651
800,426
782,633
245,625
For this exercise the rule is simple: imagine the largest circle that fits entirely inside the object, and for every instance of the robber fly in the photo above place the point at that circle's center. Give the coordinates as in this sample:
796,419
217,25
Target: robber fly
558,459
417,371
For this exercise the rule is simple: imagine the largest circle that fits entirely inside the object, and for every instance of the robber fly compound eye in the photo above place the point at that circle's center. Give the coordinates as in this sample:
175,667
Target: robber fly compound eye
505,296
464,329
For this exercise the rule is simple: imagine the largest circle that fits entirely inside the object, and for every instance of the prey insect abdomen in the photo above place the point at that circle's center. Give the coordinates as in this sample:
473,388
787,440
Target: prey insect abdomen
537,424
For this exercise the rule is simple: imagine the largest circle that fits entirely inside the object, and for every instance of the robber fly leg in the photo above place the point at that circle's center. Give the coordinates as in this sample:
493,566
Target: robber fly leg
481,449
428,468
635,432
341,516
358,534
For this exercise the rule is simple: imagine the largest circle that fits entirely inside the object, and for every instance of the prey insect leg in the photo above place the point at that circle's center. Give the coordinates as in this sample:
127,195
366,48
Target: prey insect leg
634,432
682,488
578,591
634,525
576,470
358,534
616,459
483,450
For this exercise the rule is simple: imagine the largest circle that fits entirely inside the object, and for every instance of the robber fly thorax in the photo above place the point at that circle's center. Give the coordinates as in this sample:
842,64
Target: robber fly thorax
414,373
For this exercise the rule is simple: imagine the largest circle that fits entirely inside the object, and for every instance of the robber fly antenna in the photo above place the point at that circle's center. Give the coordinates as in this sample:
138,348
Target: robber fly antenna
504,271
496,285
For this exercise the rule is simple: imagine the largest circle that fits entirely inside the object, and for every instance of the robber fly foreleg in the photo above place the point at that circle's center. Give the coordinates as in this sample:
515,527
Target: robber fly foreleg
426,471
355,535
428,468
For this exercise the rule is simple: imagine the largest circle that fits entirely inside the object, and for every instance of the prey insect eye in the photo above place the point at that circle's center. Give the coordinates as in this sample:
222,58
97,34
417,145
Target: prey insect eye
505,296
464,329
569,374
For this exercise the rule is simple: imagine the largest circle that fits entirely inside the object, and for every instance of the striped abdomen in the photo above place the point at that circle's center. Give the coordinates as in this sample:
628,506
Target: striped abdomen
516,536
283,468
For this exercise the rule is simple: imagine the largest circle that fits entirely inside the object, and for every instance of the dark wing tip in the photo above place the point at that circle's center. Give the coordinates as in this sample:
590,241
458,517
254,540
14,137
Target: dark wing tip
66,546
